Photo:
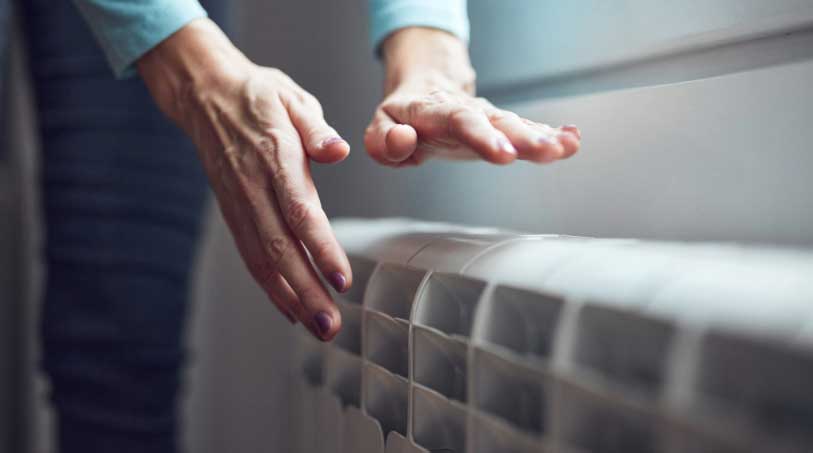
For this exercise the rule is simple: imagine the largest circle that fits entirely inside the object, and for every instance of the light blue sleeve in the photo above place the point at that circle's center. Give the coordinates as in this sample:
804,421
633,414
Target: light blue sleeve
386,16
127,29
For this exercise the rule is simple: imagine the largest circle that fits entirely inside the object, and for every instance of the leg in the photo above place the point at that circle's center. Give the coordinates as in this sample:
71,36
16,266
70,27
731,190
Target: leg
5,34
123,195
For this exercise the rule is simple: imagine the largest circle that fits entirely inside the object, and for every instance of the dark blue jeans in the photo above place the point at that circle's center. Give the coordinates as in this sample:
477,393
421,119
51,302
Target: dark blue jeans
122,198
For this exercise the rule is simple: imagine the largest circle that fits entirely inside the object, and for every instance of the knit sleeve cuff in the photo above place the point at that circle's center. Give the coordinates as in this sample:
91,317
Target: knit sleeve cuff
126,29
387,16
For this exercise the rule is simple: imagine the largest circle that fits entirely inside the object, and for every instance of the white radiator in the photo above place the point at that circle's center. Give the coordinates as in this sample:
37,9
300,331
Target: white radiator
474,340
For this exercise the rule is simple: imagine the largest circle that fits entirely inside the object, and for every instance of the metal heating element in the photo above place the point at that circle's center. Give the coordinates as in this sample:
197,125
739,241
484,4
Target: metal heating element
476,340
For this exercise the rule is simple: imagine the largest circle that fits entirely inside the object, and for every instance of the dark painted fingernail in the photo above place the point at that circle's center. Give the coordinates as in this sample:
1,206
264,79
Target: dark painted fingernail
337,280
323,322
506,146
331,141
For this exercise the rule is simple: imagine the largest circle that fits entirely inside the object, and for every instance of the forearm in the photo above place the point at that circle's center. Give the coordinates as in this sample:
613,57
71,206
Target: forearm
418,55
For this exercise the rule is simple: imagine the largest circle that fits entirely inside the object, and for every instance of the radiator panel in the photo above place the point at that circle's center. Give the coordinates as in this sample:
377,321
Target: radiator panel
472,340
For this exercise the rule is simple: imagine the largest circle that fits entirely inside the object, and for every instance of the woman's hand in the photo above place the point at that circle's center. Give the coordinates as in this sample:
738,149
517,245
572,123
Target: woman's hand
429,110
255,130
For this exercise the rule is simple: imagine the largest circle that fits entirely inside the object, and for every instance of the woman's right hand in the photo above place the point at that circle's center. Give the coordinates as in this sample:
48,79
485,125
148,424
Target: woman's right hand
256,131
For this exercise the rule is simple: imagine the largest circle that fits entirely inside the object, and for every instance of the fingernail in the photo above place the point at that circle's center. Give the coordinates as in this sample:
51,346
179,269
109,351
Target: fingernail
573,130
545,140
505,145
331,141
570,134
337,280
323,322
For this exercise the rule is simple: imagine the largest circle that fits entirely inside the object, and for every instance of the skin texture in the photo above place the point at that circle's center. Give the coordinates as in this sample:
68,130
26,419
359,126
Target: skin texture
429,110
256,132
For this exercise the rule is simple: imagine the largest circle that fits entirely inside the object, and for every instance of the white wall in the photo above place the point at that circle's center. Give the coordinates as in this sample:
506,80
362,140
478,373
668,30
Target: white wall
546,37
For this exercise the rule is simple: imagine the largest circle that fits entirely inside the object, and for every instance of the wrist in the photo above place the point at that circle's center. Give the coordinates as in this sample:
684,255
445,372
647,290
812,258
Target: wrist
196,56
427,56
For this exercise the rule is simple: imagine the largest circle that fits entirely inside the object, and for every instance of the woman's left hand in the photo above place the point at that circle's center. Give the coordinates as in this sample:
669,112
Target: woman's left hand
429,110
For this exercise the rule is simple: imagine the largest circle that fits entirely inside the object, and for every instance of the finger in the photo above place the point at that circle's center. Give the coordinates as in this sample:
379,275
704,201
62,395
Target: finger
388,142
248,245
255,161
299,202
471,127
572,129
287,259
300,207
295,284
570,138
316,309
322,142
284,297
531,144
445,121
401,141
417,158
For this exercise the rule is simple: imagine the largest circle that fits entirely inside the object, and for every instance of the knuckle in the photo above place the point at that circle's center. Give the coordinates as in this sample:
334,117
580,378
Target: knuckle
499,115
264,272
391,103
298,99
437,96
298,214
274,72
309,99
314,111
277,248
299,96
458,117
260,101
415,108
